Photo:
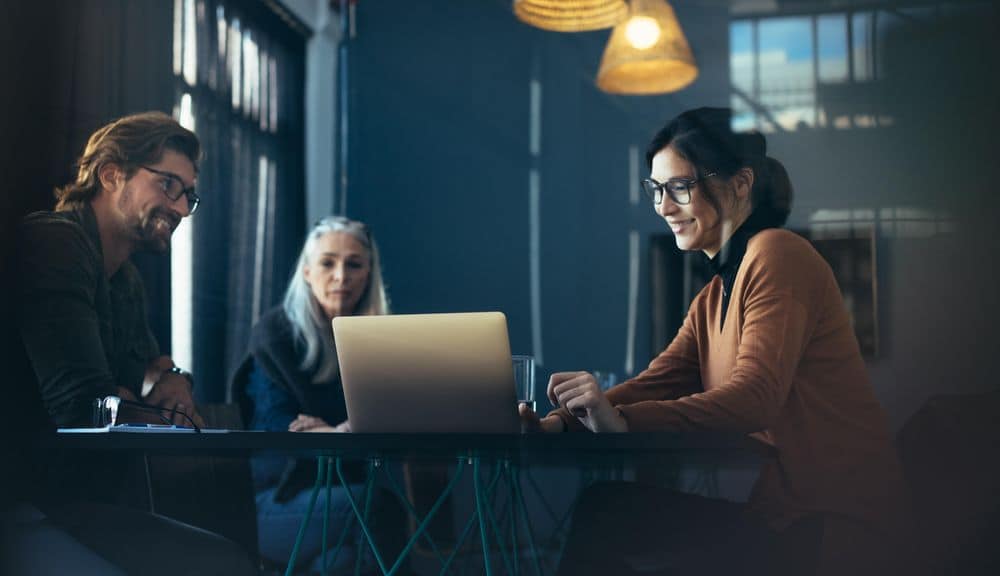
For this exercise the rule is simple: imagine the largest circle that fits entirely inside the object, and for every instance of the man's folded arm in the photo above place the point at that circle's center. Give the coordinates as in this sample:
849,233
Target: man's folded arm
58,321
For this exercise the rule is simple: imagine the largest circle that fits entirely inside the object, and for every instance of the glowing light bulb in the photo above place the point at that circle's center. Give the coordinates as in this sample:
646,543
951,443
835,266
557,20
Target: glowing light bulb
642,32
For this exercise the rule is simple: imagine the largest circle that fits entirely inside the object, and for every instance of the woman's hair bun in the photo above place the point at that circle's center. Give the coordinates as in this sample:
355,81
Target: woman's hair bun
775,194
754,145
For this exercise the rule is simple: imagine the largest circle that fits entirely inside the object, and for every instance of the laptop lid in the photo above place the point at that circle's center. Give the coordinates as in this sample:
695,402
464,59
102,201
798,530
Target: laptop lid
427,373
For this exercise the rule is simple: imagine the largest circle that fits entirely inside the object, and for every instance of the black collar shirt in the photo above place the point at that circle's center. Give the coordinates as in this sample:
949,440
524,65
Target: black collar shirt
727,262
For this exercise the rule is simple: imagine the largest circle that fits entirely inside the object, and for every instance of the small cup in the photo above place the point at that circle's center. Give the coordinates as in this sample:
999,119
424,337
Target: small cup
524,378
105,411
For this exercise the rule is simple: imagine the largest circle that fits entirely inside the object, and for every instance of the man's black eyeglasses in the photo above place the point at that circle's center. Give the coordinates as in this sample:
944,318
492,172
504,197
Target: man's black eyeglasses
173,187
679,189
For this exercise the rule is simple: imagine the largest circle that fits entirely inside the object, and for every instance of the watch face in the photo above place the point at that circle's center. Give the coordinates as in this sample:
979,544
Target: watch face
183,373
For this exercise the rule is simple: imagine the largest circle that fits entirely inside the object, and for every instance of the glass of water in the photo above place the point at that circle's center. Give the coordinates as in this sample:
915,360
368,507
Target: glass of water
524,378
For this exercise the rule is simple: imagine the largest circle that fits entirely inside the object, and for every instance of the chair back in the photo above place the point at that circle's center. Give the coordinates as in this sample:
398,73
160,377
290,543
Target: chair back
948,452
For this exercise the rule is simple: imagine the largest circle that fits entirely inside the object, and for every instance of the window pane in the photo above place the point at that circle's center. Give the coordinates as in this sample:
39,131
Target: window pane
861,29
742,58
274,95
178,36
181,269
265,92
249,72
190,44
787,81
741,55
233,66
220,23
235,43
832,41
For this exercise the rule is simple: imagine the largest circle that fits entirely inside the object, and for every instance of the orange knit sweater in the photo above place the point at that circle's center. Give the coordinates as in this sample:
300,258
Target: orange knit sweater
786,368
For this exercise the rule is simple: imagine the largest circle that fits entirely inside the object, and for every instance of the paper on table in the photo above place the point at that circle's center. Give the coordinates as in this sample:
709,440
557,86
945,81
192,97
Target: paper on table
83,430
143,429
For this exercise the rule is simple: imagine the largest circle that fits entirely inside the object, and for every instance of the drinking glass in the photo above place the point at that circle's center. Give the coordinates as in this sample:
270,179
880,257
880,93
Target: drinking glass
524,378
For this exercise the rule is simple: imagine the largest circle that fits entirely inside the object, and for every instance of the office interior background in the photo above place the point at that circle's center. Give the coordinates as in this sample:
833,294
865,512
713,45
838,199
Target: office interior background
496,175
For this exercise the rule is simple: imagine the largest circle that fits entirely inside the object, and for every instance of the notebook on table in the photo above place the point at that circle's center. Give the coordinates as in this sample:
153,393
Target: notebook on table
427,373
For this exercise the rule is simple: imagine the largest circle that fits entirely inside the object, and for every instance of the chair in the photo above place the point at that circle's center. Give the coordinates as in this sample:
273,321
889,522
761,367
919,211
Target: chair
948,452
236,392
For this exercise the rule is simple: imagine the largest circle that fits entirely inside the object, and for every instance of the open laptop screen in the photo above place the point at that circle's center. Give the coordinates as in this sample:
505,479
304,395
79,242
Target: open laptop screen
433,373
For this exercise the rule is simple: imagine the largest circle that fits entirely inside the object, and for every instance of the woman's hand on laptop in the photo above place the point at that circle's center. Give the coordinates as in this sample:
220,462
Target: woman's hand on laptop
307,423
344,426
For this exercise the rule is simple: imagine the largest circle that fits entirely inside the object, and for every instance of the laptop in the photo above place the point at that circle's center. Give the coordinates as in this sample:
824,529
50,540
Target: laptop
427,373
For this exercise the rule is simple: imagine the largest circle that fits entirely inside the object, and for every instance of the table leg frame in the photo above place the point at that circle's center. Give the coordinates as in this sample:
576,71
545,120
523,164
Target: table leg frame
483,513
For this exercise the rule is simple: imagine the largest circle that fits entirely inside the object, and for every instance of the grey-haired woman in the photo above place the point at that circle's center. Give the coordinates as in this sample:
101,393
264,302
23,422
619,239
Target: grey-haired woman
290,381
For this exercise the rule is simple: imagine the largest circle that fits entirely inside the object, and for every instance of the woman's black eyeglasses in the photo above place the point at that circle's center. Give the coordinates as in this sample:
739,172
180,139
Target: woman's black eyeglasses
173,187
679,189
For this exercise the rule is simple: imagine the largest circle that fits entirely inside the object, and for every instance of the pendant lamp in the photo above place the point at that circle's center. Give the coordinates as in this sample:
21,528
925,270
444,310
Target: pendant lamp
571,15
647,53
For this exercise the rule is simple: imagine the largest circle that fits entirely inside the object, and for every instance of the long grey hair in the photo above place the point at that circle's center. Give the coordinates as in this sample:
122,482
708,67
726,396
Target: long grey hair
310,326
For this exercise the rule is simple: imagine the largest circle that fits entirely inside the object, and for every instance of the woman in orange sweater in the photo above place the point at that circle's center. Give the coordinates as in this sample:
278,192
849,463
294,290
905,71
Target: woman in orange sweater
766,349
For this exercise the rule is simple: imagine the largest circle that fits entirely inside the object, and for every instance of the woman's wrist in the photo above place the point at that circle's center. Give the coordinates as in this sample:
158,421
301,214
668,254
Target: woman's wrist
609,418
623,421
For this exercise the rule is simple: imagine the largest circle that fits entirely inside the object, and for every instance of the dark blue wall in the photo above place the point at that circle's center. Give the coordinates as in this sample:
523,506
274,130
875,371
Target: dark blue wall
440,169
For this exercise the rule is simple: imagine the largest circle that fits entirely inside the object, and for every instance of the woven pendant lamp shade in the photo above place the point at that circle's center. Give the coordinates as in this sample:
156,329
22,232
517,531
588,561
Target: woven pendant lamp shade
647,54
571,15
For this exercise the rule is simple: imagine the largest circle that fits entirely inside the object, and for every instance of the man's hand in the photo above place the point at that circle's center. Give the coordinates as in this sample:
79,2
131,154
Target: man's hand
130,415
579,393
172,392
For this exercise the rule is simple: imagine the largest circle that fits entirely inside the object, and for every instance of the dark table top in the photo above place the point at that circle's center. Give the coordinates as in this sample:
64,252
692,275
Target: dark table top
552,449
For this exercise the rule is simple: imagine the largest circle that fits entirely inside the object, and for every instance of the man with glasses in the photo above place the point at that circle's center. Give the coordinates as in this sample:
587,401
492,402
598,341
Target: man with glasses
82,321
82,302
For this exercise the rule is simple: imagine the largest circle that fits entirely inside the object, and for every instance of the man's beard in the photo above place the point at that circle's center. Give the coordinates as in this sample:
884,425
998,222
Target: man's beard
153,237
150,232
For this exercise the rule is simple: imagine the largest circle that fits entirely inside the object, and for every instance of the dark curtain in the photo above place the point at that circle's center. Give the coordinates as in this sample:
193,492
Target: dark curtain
68,68
247,108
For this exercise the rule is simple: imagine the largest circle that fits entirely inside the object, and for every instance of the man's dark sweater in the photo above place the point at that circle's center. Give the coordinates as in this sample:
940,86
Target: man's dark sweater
84,334
81,336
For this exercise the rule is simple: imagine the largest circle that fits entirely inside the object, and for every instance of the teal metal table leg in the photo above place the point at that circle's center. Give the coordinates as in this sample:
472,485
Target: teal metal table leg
519,501
472,520
326,515
481,514
491,517
369,488
343,532
394,486
320,475
512,485
416,535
